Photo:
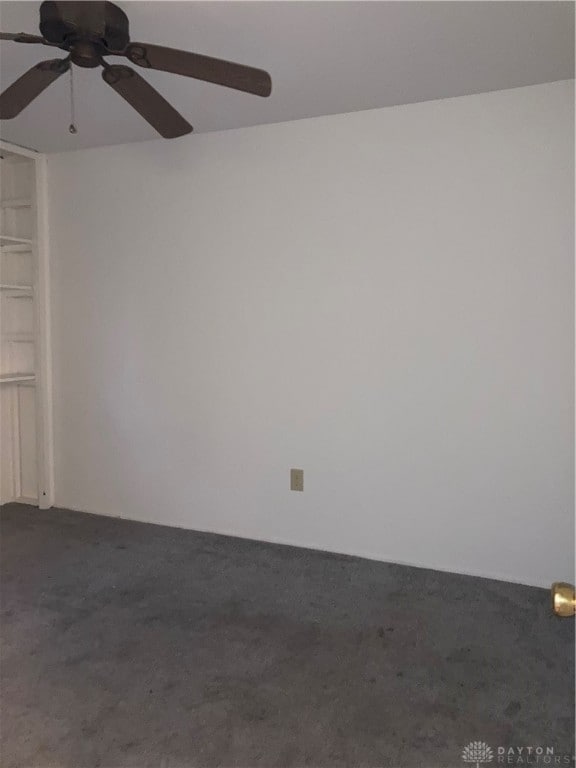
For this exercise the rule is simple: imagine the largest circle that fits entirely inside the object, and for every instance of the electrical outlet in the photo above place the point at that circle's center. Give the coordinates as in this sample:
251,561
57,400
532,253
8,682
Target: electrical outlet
296,479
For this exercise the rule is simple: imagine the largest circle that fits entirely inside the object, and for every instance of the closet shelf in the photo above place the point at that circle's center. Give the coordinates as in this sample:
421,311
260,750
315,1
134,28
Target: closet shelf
7,240
18,336
16,248
8,287
12,378
16,202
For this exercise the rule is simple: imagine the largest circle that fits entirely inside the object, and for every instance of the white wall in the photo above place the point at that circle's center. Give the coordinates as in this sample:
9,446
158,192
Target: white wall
383,298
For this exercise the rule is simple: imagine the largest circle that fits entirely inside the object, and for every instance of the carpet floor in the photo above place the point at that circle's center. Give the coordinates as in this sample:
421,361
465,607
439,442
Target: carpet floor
129,644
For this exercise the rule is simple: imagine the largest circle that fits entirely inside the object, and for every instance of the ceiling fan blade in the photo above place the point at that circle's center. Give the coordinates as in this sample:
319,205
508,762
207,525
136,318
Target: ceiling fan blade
24,90
22,37
146,101
206,68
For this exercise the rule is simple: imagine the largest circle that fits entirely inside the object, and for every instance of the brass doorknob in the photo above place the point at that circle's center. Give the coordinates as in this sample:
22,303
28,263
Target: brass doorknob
563,599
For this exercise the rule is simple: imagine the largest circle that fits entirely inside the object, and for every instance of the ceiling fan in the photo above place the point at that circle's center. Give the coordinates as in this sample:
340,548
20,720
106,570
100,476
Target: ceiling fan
90,31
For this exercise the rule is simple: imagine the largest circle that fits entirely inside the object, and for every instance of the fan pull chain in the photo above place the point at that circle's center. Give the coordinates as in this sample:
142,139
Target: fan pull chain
72,127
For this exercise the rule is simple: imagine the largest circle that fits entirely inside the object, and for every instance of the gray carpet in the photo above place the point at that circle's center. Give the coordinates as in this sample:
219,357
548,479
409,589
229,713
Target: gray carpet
126,644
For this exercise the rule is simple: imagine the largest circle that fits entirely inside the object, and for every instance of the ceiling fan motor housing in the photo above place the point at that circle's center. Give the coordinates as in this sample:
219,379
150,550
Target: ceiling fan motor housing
100,23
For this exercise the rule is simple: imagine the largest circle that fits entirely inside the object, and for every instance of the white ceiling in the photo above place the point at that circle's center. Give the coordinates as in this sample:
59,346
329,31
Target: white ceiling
324,58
